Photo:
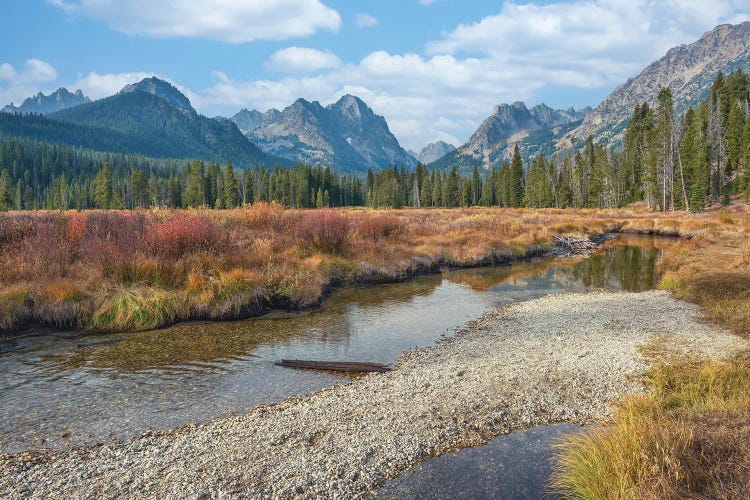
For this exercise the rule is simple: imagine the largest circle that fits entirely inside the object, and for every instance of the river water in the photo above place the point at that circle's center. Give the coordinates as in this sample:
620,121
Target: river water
55,394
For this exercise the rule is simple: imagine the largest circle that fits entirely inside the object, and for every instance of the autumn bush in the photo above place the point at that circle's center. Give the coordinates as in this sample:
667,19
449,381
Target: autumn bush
376,227
325,230
178,235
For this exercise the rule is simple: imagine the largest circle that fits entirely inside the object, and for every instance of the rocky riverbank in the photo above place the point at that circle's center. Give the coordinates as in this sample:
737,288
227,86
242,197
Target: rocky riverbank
559,358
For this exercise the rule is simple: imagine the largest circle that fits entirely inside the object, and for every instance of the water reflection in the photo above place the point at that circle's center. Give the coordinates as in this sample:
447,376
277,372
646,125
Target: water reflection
53,394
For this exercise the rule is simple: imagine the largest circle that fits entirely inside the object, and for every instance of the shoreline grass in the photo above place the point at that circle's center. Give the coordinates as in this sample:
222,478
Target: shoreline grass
689,435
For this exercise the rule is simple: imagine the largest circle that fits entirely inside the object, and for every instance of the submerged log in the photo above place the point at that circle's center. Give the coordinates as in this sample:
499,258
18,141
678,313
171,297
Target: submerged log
338,366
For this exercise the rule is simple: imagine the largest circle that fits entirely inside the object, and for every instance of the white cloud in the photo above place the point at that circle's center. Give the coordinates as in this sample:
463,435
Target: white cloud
587,43
426,2
233,21
514,55
18,84
7,71
34,71
365,21
302,59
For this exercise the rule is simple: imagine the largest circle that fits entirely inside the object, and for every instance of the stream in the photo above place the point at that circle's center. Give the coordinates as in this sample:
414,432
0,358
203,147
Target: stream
55,394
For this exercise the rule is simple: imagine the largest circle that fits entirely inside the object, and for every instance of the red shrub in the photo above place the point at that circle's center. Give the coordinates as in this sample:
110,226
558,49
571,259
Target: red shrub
182,234
326,230
15,228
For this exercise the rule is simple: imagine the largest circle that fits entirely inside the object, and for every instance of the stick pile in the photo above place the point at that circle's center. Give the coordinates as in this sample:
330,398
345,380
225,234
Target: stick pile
566,245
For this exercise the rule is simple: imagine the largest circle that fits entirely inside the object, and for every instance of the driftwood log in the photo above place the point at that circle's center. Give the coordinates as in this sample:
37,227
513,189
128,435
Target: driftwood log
338,366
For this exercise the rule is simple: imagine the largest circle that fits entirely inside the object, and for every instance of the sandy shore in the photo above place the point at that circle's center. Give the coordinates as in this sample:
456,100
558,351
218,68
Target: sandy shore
559,358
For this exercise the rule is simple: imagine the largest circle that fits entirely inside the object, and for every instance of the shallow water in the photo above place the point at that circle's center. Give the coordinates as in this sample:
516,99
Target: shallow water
514,466
54,394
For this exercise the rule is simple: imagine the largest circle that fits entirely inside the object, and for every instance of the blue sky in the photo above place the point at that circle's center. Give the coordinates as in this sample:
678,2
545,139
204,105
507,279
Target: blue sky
433,68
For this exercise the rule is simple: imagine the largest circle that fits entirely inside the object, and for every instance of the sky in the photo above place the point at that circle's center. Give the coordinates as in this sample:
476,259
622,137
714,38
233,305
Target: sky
433,68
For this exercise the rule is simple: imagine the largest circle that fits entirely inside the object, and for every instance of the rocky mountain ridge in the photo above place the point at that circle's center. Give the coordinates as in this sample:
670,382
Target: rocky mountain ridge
42,104
346,135
688,70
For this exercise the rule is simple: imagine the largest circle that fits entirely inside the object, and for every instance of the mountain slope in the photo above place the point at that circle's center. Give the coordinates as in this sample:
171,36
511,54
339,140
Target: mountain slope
45,104
346,135
509,125
689,70
153,118
434,151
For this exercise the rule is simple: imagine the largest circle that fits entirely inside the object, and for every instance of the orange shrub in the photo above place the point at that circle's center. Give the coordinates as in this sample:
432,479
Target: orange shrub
379,226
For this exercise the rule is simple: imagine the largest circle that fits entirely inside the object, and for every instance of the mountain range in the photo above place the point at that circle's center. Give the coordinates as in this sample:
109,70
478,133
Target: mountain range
45,104
154,118
346,135
509,124
150,118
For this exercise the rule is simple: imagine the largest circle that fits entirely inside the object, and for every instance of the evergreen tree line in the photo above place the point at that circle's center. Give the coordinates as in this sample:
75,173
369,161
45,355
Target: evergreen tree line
35,175
672,162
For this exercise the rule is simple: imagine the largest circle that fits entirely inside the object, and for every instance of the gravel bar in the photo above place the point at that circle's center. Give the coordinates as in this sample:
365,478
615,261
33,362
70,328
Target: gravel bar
558,358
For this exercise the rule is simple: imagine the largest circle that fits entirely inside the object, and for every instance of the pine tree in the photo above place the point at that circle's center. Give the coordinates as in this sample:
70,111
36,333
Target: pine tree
6,198
735,130
102,189
476,186
194,194
466,188
503,196
516,179
231,187
452,194
139,188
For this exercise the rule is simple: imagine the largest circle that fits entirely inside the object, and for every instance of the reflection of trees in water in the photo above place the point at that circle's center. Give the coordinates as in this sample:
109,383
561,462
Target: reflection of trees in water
632,269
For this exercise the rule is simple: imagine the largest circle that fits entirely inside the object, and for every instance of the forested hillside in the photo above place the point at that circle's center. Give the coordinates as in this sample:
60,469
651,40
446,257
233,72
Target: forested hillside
671,162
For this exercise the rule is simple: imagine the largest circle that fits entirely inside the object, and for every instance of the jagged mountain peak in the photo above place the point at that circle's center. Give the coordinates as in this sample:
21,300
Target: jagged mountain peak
161,89
352,106
434,151
58,100
508,125
346,134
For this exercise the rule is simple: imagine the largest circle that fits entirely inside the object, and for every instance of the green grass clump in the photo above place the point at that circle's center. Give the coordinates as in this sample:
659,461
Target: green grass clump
136,310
